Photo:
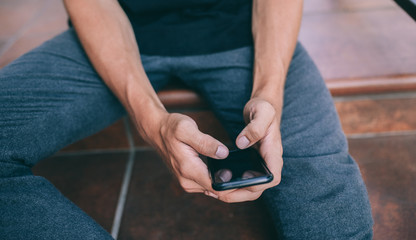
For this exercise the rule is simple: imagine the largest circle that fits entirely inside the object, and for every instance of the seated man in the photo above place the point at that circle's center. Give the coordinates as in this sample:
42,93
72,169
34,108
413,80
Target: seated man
241,56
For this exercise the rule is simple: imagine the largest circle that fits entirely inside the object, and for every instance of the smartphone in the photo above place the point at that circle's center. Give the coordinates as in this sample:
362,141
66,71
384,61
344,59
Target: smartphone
242,168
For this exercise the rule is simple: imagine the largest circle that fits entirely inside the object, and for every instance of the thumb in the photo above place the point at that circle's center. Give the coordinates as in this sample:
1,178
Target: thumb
259,123
205,144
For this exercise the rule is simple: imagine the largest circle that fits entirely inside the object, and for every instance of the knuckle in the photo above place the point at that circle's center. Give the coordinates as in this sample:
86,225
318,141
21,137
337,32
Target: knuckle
269,108
189,169
185,170
255,133
186,123
204,144
183,126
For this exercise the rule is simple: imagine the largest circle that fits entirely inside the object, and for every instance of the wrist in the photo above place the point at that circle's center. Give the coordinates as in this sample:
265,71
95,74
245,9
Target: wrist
271,91
268,80
146,111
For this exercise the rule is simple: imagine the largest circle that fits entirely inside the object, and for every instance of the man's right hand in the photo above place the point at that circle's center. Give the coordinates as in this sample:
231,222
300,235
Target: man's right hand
179,141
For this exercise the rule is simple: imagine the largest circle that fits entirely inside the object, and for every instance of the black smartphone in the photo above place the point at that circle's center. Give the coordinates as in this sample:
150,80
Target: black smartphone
242,168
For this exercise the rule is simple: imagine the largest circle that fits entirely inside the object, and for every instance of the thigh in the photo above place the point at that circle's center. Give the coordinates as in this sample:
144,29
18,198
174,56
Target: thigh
322,194
51,97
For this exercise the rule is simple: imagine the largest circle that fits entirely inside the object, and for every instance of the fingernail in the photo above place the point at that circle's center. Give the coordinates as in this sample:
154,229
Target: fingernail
243,142
222,152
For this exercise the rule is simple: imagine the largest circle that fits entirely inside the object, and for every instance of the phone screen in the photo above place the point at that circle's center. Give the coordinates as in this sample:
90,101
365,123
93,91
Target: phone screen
242,168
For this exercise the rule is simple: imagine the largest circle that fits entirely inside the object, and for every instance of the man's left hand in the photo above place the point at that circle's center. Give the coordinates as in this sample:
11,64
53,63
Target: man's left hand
262,131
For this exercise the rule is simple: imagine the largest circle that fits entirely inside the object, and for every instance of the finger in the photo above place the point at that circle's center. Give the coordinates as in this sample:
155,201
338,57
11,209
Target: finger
240,195
202,178
223,175
194,169
260,120
271,152
190,186
208,193
195,181
251,174
204,143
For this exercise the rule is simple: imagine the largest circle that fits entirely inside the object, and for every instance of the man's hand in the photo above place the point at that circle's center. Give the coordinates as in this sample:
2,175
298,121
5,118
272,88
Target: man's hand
180,143
275,26
263,131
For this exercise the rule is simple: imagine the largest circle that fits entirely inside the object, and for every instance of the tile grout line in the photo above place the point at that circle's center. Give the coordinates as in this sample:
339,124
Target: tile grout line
125,185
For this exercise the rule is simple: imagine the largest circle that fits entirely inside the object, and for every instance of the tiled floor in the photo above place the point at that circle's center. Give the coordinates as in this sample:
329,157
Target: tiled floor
361,47
377,113
159,209
389,169
92,181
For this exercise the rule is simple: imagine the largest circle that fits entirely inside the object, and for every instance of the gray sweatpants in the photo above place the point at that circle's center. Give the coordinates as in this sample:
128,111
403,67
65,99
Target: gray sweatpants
51,97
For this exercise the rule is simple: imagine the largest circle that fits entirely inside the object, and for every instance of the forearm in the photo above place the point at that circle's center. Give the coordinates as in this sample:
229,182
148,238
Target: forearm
108,39
275,26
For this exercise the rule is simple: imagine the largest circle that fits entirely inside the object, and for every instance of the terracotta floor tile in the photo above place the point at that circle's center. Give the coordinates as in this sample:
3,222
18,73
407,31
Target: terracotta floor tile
91,181
157,208
377,115
389,169
361,44
113,137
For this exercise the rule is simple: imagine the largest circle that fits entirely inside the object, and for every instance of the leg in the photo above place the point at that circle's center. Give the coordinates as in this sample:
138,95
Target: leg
322,195
49,98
